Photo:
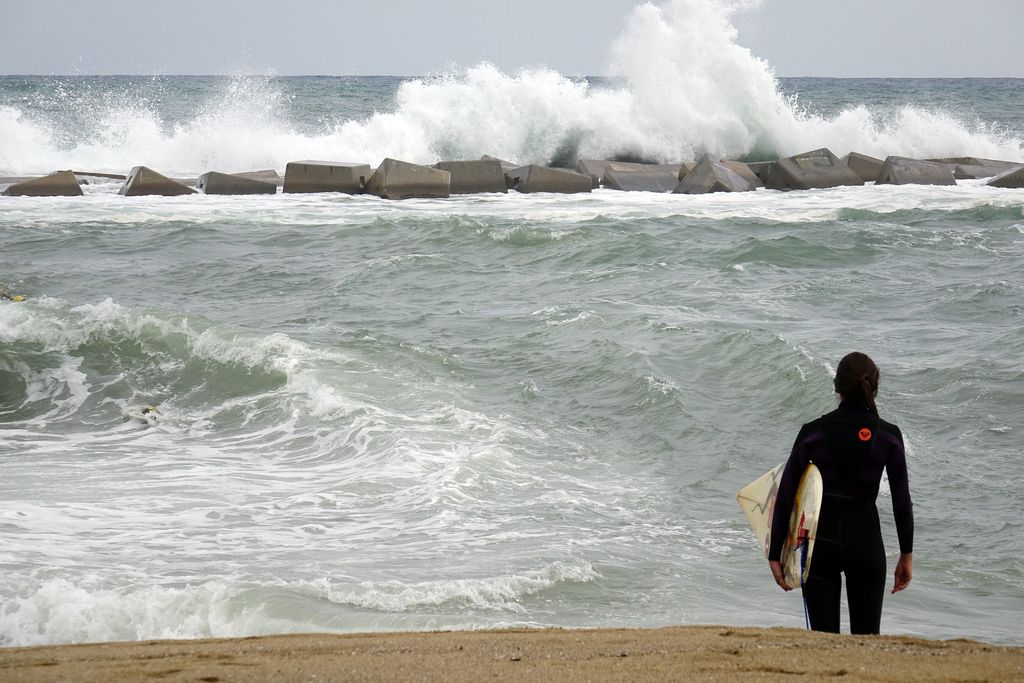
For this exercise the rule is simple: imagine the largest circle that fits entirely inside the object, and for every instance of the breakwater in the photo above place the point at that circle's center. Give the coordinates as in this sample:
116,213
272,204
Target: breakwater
395,179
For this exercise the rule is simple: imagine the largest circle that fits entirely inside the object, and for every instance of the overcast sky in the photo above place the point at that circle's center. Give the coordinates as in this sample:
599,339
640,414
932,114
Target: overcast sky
913,38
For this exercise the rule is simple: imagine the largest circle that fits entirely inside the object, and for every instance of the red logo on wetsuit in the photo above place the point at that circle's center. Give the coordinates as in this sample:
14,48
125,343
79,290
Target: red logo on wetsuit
864,434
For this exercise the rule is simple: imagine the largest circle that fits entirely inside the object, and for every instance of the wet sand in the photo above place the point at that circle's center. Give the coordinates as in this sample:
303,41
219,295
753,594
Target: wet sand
708,653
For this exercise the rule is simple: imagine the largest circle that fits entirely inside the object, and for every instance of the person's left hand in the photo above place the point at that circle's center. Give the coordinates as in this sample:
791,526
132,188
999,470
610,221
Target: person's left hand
904,572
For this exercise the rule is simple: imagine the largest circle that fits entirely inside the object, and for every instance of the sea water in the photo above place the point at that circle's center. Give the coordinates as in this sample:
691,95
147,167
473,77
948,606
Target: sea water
491,410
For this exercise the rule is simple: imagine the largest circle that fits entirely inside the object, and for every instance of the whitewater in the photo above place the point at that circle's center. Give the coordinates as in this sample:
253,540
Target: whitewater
491,410
681,87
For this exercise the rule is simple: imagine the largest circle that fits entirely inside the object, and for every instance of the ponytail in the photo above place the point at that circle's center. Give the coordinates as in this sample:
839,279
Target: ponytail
857,380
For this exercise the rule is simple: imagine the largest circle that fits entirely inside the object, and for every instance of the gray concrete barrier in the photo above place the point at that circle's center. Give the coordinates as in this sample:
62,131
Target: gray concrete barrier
1010,179
641,177
471,177
712,176
594,168
142,180
762,169
814,170
214,182
529,179
868,168
970,168
904,171
395,179
58,184
325,176
743,171
505,164
267,176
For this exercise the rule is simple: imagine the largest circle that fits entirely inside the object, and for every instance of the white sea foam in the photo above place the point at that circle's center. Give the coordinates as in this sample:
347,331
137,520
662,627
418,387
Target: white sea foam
86,609
684,87
499,593
59,610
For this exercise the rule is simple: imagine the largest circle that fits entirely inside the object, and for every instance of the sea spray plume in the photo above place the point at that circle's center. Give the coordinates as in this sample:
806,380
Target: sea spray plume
694,89
527,117
684,86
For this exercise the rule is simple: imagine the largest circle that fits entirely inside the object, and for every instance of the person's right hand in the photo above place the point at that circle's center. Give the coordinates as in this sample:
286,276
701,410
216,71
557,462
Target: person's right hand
780,577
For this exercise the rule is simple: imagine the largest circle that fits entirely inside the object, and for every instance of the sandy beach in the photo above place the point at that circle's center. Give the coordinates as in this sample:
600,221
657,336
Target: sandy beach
710,653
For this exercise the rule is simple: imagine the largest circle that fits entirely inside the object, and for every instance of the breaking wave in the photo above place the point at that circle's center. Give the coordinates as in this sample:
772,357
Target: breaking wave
682,86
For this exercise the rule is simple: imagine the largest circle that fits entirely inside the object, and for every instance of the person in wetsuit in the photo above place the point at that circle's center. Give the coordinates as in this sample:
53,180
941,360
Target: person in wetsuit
851,447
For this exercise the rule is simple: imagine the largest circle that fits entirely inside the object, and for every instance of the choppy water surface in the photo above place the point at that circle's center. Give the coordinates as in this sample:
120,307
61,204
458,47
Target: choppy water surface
491,410
486,411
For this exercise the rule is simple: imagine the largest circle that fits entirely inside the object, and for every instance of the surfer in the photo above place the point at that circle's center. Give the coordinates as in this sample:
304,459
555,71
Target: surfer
851,447
143,415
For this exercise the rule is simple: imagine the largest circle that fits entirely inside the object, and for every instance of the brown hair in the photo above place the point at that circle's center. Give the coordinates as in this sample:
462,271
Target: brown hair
857,380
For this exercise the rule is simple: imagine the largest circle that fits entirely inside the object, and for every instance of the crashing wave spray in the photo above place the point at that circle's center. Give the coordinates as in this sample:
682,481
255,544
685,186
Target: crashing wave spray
683,86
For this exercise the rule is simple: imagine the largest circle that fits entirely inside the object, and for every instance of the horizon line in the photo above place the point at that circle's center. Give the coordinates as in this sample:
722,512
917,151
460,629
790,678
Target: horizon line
430,75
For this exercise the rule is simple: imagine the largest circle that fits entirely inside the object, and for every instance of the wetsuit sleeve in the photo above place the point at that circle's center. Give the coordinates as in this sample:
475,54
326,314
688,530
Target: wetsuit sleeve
795,466
899,485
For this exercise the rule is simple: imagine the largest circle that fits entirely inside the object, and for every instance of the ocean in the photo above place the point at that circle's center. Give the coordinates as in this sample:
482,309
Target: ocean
492,410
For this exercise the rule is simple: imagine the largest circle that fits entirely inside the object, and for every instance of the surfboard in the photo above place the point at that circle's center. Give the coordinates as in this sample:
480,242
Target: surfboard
757,500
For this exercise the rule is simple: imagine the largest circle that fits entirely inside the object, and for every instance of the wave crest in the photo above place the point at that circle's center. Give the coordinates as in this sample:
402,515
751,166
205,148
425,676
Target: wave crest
683,86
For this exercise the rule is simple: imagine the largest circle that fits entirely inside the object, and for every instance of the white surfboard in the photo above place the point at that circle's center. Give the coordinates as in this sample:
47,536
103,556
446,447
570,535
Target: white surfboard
757,500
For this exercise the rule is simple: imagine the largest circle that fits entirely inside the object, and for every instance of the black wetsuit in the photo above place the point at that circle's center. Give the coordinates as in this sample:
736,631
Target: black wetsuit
851,447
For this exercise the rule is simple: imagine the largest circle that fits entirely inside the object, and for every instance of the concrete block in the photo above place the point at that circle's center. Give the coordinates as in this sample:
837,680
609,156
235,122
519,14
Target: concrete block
712,176
762,169
647,178
267,176
505,164
982,168
223,183
817,169
975,171
395,179
743,171
470,177
325,176
684,170
505,167
145,181
594,168
904,171
108,176
597,169
544,179
59,184
866,167
15,179
1011,179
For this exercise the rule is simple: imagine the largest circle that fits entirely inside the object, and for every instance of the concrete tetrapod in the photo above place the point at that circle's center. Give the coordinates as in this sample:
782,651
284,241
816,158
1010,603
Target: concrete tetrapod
528,179
868,168
1011,179
904,171
641,177
395,179
57,184
267,176
142,180
213,182
594,168
969,168
814,170
712,176
761,169
744,171
471,177
325,176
